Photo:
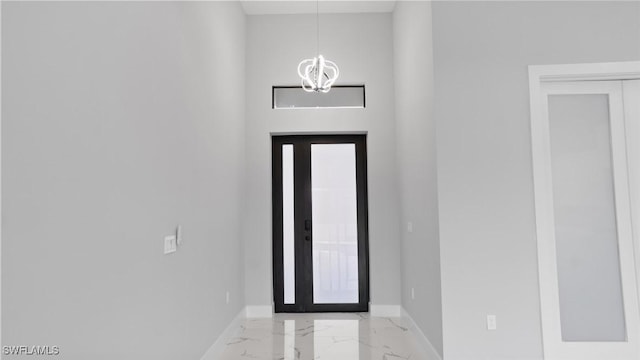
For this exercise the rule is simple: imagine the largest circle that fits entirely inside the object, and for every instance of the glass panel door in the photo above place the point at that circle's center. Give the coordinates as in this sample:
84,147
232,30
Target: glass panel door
288,233
589,283
335,223
589,302
320,223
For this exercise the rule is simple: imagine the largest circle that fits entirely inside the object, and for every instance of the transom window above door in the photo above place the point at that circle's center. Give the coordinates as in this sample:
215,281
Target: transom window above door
340,97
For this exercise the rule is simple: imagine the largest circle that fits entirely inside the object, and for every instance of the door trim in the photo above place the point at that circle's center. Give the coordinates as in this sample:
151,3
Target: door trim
631,94
554,347
277,219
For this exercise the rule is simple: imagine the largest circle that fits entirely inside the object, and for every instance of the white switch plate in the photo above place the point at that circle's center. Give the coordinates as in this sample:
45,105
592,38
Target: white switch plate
227,297
491,322
413,294
410,227
170,244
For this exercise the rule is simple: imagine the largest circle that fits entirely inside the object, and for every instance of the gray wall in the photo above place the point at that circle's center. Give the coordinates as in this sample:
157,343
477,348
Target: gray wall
485,185
361,45
120,121
416,141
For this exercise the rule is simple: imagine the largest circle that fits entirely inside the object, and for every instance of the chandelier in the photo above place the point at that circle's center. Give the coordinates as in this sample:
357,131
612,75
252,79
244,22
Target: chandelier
317,74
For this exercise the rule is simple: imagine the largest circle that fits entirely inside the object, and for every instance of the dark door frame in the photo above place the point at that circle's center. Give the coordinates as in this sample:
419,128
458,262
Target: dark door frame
302,212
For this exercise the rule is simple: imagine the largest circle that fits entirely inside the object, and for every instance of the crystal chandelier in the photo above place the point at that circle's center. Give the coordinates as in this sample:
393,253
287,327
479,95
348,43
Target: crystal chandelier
317,74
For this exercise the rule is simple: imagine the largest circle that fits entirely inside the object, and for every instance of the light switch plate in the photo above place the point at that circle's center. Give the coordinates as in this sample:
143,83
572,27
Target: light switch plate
491,322
170,244
410,227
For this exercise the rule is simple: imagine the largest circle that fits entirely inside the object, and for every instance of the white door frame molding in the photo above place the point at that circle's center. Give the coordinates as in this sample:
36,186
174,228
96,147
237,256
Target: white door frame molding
1,342
631,98
554,348
626,70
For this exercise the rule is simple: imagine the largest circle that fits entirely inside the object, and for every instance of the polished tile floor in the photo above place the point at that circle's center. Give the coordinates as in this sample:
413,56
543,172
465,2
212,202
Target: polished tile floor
328,336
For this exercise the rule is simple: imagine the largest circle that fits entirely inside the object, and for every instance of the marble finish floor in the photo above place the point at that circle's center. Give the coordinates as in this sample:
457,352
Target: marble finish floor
324,336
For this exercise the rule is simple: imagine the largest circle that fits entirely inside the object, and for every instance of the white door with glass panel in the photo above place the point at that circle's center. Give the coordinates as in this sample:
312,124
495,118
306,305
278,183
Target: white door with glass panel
586,146
320,223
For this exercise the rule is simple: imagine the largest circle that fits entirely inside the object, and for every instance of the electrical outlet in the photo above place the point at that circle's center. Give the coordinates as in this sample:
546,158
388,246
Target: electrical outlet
227,297
413,294
491,322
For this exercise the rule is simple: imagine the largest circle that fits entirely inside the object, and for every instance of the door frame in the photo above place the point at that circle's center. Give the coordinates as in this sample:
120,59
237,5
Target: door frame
300,181
539,75
633,157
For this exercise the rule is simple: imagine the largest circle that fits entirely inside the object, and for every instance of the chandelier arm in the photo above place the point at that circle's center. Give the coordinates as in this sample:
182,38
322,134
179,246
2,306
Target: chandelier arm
334,67
321,64
300,65
307,78
305,88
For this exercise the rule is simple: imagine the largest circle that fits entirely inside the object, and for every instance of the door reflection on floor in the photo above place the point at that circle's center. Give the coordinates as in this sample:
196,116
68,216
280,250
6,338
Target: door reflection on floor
289,342
316,338
323,336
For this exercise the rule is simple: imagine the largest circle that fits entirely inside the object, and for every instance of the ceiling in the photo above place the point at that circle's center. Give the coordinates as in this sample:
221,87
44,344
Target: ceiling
264,7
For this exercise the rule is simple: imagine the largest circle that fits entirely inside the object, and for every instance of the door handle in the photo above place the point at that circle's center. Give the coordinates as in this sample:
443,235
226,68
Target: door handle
307,227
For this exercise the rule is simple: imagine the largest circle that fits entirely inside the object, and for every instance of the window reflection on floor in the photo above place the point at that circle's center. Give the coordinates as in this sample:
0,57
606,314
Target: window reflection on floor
289,343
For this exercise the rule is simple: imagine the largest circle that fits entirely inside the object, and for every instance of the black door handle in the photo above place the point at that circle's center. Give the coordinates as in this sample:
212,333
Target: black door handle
307,227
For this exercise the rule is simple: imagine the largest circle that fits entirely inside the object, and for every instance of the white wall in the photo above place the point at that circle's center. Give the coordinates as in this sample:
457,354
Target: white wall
485,186
120,121
416,139
361,45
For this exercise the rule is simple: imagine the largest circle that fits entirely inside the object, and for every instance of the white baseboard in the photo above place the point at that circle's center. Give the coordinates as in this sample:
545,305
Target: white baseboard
218,346
420,336
259,311
385,310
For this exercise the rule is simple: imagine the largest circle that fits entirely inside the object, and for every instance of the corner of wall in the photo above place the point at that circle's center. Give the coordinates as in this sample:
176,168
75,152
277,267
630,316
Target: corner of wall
417,168
423,340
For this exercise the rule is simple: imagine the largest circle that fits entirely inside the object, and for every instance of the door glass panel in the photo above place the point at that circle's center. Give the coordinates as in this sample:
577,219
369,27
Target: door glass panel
589,281
334,219
288,256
